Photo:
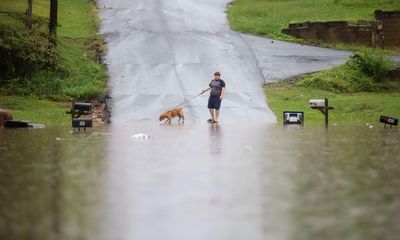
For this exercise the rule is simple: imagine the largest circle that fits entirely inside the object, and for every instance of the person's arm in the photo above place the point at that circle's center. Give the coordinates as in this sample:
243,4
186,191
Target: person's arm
222,90
205,89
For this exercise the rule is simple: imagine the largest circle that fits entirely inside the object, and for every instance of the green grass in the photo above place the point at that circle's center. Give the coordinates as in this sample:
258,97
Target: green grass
269,17
361,108
367,70
344,87
37,111
40,8
82,77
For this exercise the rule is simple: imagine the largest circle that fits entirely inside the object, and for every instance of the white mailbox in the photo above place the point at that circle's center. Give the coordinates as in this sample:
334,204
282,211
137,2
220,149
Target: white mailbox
290,117
317,102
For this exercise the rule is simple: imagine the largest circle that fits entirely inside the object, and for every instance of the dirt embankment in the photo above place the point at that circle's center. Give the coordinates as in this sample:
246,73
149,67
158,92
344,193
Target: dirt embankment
101,113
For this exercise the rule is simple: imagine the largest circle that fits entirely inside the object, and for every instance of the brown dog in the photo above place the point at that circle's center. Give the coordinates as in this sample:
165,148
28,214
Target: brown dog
4,116
176,112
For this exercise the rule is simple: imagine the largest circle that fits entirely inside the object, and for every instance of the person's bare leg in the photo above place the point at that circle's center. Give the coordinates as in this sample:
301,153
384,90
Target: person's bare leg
216,115
212,114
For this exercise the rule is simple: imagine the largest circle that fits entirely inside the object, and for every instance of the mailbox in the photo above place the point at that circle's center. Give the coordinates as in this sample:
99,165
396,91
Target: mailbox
389,120
82,122
316,103
291,117
323,106
79,109
85,107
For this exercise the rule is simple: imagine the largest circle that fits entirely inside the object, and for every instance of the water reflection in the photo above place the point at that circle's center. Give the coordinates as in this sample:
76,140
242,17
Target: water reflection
48,187
200,181
345,183
216,138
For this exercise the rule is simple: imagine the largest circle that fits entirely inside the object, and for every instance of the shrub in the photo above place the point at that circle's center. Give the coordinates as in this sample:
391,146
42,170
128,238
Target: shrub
372,63
365,71
24,52
340,79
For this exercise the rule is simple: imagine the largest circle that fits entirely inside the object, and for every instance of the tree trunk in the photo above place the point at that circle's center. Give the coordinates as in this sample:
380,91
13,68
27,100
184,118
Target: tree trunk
29,15
53,20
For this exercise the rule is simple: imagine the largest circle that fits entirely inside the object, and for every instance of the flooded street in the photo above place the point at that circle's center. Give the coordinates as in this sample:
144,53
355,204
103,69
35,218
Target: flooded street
200,181
247,178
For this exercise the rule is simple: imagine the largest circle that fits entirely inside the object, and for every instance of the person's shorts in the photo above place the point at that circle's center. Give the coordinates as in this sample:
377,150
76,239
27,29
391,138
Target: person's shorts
214,102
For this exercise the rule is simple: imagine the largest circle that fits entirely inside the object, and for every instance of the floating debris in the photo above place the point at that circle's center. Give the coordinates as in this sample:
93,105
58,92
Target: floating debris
140,136
248,148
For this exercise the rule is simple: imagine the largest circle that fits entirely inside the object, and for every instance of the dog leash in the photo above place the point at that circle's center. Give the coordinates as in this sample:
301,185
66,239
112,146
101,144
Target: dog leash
188,100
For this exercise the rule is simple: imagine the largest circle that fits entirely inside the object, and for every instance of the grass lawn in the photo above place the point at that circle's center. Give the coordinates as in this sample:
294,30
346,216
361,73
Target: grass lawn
83,78
77,41
37,111
269,17
362,107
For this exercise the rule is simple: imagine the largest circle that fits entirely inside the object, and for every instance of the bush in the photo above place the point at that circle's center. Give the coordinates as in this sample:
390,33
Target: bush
372,63
341,79
365,71
24,52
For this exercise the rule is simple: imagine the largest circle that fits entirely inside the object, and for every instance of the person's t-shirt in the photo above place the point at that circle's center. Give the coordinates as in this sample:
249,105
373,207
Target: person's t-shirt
216,87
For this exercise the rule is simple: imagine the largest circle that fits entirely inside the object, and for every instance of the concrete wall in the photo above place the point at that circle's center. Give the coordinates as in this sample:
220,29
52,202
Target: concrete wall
333,32
385,32
390,22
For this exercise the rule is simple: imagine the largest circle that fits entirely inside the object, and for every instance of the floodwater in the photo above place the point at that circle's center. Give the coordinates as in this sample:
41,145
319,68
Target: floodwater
200,181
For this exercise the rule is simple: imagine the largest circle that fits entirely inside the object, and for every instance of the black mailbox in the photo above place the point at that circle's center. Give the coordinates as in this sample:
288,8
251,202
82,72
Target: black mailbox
389,120
82,122
86,107
79,109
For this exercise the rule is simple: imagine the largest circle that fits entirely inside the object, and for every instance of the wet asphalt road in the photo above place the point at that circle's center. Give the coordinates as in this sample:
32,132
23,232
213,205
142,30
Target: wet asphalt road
163,52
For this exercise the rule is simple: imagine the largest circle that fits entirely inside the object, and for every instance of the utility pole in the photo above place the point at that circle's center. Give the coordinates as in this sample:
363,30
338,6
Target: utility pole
53,20
28,22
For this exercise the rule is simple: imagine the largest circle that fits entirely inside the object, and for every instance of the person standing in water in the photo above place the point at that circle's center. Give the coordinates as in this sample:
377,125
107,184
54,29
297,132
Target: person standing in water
217,86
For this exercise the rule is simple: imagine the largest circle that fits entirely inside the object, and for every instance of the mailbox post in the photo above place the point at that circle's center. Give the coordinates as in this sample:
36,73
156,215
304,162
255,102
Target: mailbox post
323,106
